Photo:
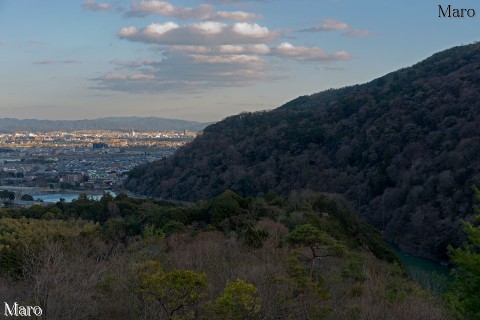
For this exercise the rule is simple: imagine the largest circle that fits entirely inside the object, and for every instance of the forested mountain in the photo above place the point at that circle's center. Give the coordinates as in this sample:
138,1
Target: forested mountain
8,125
403,150
301,257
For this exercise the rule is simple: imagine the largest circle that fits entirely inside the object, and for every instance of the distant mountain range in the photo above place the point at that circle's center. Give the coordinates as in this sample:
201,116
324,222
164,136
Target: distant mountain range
403,150
10,125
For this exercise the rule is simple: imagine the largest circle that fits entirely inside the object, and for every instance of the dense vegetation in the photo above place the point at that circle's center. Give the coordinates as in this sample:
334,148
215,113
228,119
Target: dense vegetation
464,295
299,257
402,150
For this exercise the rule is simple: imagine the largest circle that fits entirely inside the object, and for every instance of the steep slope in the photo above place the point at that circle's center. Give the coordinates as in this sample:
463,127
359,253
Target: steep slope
403,150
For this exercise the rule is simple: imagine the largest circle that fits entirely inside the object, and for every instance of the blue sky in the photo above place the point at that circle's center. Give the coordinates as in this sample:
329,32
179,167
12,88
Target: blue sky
205,60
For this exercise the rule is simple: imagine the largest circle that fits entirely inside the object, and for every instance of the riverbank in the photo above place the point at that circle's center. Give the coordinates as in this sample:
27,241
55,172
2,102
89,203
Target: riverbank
70,195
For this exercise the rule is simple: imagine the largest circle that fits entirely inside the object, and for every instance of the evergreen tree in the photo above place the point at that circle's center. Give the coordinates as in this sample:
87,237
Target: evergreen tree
465,291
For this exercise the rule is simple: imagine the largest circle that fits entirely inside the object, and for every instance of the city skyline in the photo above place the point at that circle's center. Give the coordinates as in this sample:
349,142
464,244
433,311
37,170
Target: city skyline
205,60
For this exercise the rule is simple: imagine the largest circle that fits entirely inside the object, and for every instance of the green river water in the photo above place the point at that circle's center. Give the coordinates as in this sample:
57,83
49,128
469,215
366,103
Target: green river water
429,274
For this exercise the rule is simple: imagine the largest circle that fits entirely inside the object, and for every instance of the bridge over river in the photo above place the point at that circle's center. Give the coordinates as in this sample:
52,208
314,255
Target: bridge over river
32,190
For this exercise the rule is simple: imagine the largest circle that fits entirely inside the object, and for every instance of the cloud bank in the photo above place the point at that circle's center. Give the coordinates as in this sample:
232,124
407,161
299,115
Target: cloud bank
212,49
204,11
201,33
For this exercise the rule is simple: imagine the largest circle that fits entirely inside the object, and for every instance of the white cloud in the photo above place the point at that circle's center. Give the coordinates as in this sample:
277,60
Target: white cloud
238,16
206,12
245,49
260,49
341,55
356,33
251,30
127,32
209,27
190,49
231,49
328,25
94,6
145,8
337,25
203,33
161,28
289,51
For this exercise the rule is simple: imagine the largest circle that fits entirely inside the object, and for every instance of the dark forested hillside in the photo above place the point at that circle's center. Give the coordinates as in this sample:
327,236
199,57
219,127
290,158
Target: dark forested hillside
403,150
302,257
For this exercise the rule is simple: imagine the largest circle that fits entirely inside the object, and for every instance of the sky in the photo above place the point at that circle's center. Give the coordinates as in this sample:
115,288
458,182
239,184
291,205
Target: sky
204,60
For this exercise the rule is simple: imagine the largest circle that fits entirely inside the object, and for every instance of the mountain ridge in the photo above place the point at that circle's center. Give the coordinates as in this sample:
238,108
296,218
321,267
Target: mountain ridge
10,125
402,149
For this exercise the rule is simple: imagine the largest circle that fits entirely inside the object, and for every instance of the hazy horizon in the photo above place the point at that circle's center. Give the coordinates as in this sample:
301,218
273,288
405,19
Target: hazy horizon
99,118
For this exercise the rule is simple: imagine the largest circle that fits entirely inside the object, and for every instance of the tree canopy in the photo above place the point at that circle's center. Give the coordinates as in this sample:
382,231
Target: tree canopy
465,294
402,149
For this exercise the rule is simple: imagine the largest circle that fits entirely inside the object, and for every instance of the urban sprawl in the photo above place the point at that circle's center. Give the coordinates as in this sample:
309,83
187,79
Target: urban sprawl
82,161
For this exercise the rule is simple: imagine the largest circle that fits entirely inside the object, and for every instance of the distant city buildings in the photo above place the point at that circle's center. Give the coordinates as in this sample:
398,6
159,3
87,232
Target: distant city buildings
86,138
79,160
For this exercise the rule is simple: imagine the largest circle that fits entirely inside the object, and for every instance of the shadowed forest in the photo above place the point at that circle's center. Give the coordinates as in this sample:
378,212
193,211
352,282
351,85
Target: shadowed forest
402,149
305,256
